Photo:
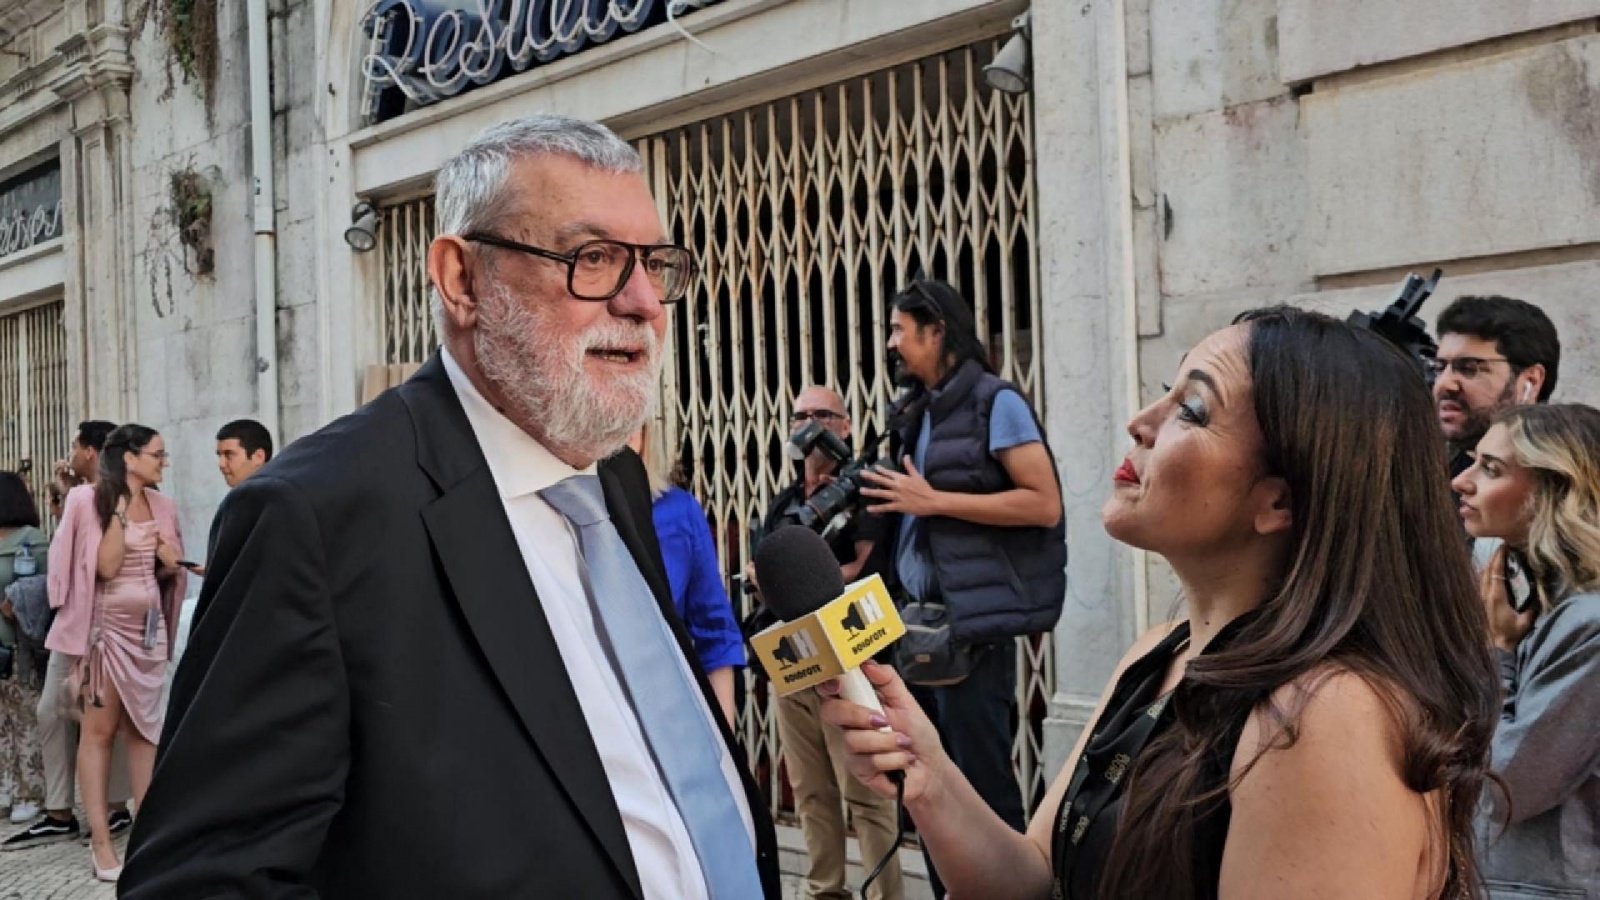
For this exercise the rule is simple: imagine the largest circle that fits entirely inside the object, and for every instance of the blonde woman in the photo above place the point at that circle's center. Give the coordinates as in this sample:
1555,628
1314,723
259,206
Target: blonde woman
1535,485
690,554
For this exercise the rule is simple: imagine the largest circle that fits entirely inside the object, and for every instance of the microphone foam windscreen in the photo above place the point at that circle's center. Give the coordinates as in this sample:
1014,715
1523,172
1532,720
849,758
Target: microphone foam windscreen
797,572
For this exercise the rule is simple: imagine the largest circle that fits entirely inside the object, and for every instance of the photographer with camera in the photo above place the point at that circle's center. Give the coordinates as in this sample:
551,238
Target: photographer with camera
815,753
980,552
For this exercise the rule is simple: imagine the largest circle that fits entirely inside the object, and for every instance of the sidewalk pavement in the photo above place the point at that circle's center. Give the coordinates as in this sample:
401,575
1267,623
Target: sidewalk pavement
58,871
792,860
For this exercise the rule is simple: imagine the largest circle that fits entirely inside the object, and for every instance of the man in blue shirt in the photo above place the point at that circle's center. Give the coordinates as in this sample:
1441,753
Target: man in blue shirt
980,529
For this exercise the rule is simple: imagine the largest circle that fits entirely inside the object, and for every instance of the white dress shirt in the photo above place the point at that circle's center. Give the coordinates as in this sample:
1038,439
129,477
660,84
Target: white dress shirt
521,467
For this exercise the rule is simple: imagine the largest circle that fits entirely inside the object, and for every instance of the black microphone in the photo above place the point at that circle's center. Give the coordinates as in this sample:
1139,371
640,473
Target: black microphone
799,575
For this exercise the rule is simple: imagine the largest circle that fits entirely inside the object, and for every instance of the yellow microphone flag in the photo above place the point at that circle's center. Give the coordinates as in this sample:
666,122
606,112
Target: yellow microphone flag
840,636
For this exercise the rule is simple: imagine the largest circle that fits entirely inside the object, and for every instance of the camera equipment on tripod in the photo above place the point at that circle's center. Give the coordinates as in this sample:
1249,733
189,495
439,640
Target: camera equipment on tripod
1400,325
830,509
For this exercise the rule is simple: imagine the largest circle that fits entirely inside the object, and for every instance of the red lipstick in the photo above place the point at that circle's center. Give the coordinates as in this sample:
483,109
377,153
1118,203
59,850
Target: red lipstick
1125,473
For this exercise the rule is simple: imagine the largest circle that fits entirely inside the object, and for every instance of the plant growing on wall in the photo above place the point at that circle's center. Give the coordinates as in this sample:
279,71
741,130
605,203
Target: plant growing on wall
189,207
188,28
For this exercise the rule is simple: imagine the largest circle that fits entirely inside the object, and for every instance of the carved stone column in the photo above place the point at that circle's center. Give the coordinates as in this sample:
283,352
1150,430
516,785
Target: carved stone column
96,172
1088,326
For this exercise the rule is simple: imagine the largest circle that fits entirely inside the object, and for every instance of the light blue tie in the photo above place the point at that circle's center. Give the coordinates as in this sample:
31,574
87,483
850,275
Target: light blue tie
668,704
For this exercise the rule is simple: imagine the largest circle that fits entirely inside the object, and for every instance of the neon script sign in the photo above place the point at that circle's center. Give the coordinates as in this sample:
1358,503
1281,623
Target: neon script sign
423,51
30,209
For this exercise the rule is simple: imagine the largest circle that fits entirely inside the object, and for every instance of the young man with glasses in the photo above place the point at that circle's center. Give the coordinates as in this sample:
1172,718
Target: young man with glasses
1494,353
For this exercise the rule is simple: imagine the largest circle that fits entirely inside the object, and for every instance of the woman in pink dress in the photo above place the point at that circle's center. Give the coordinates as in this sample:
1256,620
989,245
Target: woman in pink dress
114,575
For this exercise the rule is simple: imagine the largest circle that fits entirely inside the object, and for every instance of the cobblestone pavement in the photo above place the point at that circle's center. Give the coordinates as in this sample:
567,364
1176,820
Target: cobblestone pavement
60,871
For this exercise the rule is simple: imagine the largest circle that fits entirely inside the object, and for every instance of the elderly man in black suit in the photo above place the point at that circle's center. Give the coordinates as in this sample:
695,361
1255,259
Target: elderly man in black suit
435,655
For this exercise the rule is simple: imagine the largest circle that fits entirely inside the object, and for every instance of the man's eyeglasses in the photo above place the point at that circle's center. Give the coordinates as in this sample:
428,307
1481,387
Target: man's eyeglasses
821,415
1468,367
598,270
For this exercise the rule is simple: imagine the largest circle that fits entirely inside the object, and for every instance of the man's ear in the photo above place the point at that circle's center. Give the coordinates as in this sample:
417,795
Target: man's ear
451,273
1532,379
1274,510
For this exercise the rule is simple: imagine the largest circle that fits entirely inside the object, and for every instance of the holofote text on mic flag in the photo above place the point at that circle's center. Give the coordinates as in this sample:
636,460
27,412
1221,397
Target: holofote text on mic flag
839,637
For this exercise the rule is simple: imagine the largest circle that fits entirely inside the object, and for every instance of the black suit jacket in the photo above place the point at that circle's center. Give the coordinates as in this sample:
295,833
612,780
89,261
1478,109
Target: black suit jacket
371,703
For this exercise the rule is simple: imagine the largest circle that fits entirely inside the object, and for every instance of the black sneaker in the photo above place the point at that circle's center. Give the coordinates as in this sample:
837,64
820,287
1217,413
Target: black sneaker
120,820
44,831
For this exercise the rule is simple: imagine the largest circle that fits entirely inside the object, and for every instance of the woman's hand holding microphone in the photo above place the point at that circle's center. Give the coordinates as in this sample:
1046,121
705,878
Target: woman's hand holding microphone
901,739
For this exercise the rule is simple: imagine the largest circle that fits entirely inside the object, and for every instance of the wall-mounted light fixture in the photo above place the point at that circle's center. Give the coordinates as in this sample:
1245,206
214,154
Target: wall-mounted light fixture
1012,69
362,235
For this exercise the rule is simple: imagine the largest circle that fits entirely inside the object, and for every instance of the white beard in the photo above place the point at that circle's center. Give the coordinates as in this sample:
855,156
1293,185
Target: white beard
546,386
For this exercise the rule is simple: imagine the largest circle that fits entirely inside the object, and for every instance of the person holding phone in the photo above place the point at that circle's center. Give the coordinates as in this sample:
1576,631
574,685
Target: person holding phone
115,578
1534,483
243,447
57,732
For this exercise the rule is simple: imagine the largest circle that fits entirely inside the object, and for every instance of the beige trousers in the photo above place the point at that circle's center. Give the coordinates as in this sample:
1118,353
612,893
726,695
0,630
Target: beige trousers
58,743
823,789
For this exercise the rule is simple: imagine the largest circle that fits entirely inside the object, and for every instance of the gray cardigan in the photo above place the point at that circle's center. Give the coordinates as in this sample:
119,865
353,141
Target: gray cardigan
1547,748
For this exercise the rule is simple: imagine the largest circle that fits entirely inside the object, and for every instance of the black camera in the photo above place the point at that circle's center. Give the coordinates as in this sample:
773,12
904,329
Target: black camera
1400,325
830,509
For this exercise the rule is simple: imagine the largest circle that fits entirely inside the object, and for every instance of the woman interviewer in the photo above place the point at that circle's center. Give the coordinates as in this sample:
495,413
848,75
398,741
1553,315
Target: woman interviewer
1319,724
1535,484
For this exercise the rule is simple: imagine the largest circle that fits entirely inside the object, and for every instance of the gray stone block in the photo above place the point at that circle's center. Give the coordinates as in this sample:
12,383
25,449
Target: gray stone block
1211,54
1489,157
1319,37
1235,182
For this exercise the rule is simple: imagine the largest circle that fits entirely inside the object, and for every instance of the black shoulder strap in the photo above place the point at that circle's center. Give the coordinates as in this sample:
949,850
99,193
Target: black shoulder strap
1107,758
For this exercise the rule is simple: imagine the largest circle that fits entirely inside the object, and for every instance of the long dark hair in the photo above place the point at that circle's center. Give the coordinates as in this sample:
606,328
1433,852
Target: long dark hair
17,509
1378,583
930,302
936,302
113,482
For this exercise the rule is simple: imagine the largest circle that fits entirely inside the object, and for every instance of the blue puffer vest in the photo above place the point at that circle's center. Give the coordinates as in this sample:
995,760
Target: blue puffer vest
996,582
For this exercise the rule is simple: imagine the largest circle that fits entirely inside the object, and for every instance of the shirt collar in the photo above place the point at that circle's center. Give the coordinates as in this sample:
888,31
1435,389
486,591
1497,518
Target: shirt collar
519,464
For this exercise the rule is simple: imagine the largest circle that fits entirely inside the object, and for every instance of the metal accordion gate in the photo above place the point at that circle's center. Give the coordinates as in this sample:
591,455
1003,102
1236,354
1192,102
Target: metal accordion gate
808,214
36,423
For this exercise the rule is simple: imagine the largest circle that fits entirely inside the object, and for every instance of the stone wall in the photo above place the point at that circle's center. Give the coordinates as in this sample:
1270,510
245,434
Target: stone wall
1201,157
1315,152
196,342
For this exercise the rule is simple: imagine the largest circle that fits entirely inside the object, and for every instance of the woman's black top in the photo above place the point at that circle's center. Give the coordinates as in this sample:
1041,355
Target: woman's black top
1086,823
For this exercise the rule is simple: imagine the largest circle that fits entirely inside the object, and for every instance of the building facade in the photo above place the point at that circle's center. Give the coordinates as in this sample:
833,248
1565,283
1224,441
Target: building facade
65,278
1175,162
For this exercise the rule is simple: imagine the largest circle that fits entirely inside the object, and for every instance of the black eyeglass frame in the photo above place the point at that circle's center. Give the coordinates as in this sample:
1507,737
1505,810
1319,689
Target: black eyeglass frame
571,259
1478,364
821,415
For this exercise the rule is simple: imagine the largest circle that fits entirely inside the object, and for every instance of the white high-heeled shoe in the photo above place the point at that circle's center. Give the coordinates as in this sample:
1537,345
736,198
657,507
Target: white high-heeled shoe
111,874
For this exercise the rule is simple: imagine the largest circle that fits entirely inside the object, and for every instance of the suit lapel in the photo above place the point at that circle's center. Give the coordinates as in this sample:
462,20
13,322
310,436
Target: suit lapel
483,565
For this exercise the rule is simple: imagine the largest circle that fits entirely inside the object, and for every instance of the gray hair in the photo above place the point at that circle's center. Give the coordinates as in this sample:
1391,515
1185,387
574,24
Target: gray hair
470,191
